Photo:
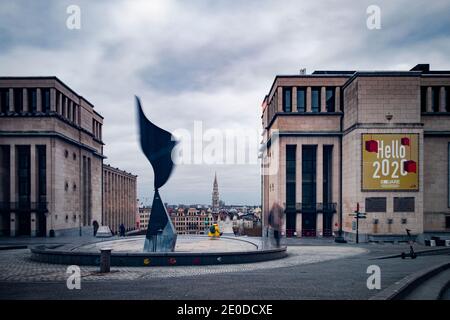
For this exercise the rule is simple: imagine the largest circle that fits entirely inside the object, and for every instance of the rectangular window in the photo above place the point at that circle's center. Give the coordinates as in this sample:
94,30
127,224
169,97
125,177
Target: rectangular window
309,175
18,100
376,204
301,99
330,99
404,204
45,100
447,222
447,99
23,173
327,174
42,173
287,99
448,173
435,98
4,100
32,101
315,99
423,99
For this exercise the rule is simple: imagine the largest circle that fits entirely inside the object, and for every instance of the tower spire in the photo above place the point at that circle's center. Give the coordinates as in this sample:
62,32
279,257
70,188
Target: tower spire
215,195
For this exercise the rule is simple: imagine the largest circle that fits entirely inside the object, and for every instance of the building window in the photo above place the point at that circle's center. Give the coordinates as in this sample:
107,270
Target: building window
4,100
315,99
287,99
448,173
45,100
23,170
435,98
404,204
290,176
327,174
376,204
447,99
301,99
423,99
330,99
32,100
18,100
447,222
42,173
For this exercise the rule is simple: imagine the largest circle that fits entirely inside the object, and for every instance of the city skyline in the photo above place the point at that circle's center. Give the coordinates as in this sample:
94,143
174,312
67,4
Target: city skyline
186,72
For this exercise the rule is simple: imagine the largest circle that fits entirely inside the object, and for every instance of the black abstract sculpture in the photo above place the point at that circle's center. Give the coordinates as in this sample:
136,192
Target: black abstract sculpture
157,145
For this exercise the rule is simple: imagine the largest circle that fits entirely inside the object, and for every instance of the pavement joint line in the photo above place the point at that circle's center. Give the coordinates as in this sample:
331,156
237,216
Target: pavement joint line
419,252
403,286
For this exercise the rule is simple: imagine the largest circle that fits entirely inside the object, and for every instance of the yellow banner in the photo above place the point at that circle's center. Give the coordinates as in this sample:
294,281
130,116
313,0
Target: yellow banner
390,161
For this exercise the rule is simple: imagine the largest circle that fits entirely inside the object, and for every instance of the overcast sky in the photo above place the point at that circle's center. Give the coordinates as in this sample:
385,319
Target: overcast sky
210,61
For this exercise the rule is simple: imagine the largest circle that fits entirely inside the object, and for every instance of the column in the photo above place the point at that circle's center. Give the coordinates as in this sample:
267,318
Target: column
429,97
52,100
308,99
11,100
25,107
442,100
12,190
337,99
280,99
33,178
294,99
319,225
60,104
38,100
319,187
323,99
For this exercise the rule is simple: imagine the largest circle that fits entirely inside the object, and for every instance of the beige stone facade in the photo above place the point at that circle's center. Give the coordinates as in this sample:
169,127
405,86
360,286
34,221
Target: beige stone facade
327,126
51,155
119,199
191,220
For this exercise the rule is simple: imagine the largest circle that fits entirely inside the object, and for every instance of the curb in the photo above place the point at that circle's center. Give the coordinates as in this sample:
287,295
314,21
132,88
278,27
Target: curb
13,247
425,252
408,283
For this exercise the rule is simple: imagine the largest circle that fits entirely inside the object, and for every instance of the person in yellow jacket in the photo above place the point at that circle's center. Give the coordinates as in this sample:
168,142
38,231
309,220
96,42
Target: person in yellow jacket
214,231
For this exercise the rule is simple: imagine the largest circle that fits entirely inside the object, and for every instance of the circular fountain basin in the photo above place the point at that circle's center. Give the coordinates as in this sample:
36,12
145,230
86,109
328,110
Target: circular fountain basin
189,250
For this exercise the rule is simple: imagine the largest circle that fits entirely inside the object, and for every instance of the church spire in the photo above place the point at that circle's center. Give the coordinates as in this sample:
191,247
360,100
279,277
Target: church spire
215,195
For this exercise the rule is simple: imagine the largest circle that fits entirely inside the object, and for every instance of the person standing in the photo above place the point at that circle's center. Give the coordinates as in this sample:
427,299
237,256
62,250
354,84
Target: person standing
96,226
122,230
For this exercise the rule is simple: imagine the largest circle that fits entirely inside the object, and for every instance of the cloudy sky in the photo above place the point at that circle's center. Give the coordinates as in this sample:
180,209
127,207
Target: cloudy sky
207,61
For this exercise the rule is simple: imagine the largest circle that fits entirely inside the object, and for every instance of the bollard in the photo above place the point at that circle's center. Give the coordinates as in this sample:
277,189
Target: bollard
105,260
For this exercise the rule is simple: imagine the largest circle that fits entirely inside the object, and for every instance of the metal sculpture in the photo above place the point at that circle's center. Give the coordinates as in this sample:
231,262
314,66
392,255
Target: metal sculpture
157,145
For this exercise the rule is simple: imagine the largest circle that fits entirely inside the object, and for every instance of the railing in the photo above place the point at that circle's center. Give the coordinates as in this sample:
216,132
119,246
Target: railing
328,207
6,206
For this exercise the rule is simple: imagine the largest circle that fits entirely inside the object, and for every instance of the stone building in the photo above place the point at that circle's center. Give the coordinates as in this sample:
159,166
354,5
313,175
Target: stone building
144,217
51,154
119,198
191,220
336,140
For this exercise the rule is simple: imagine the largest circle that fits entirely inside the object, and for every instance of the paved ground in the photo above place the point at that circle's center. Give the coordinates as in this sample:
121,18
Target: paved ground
184,244
323,271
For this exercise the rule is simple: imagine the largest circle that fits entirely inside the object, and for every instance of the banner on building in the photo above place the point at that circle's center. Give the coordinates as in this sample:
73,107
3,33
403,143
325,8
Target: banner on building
390,162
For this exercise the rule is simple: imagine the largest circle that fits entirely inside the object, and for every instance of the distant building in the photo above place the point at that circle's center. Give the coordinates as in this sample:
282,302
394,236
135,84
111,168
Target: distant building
51,155
379,141
215,196
119,198
144,217
191,221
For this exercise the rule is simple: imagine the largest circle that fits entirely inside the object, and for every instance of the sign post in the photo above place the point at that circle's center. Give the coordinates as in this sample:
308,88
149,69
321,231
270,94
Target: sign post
358,215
